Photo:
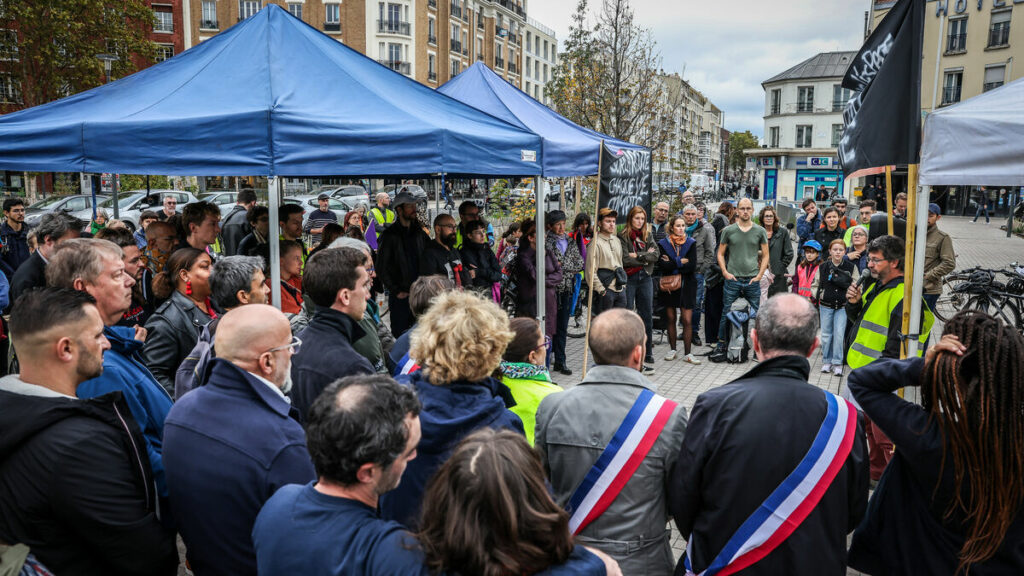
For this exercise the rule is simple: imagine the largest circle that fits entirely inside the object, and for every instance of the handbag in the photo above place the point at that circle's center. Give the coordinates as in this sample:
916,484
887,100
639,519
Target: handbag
672,282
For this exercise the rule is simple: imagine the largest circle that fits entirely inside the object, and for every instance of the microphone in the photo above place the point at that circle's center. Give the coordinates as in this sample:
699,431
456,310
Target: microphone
863,280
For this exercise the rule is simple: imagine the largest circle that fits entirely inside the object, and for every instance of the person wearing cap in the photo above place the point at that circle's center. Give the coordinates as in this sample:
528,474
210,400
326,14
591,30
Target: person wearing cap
604,257
319,218
939,258
383,217
567,253
400,248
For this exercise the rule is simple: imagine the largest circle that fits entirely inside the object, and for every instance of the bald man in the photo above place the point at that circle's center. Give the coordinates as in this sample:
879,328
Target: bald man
574,428
229,445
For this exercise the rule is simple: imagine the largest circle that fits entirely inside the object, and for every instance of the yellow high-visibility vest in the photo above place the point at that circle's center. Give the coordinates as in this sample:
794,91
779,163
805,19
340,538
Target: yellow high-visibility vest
873,329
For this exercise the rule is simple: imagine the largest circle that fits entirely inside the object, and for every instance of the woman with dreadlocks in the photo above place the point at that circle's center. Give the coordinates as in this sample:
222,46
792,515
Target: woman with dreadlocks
950,500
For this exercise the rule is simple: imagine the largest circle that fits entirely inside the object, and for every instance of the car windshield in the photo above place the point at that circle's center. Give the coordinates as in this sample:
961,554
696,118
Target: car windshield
122,202
350,191
46,202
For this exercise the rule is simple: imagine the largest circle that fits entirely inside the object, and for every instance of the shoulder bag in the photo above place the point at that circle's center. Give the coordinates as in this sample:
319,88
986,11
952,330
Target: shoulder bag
671,282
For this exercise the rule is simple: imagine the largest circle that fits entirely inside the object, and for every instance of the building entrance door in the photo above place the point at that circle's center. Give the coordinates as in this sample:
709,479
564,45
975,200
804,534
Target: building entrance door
770,181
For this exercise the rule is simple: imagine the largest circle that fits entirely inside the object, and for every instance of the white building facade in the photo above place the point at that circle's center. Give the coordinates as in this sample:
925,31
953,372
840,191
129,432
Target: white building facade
803,122
540,56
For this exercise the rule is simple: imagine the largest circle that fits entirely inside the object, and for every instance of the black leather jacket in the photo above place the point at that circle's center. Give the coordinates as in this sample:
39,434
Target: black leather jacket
173,333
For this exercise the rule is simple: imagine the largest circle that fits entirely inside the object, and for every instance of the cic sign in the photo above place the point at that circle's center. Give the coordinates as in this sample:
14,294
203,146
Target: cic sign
819,161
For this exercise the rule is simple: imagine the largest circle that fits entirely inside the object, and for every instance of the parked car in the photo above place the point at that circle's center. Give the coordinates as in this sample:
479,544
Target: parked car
133,203
221,198
416,190
310,203
351,195
74,204
525,190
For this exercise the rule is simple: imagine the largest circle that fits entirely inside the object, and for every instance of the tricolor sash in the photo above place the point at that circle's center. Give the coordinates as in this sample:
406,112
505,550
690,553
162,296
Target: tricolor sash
406,366
790,504
620,459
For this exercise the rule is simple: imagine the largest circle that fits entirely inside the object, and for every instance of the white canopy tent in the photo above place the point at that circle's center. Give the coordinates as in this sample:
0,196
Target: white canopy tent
975,142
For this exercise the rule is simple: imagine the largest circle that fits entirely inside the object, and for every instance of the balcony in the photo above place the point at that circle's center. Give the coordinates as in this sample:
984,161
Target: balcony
512,68
432,76
393,27
479,22
514,39
805,106
208,25
512,7
457,11
332,26
396,65
950,95
432,38
991,86
838,105
956,44
776,109
499,62
999,36
456,46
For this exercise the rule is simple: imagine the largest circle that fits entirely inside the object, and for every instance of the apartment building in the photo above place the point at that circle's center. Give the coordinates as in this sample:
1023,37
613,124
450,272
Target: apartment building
803,122
695,117
709,143
540,60
429,41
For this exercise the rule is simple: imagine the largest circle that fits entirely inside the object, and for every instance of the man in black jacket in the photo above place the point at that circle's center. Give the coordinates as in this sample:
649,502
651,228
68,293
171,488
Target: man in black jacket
235,225
440,256
338,283
747,437
75,482
398,260
481,266
13,237
52,230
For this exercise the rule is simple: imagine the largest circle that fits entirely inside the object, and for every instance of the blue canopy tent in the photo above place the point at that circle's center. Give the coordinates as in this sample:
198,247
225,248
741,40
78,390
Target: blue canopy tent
273,97
569,149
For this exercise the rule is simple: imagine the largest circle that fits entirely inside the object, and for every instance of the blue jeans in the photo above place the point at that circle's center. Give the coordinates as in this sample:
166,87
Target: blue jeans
564,300
977,213
931,299
640,295
700,304
734,289
833,328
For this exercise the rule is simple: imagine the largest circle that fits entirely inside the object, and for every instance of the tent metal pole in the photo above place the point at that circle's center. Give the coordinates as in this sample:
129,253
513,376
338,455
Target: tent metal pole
540,253
917,284
115,185
1012,204
273,200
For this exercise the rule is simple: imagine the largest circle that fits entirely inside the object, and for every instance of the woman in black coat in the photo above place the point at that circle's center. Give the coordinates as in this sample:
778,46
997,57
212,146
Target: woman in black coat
830,228
479,263
780,249
679,256
526,278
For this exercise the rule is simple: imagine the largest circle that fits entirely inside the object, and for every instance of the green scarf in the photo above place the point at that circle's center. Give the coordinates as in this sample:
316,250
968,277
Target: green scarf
525,371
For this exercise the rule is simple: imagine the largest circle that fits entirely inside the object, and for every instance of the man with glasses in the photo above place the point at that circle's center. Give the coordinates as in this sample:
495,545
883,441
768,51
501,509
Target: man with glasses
660,221
878,325
13,237
338,281
441,256
229,445
469,212
738,251
170,208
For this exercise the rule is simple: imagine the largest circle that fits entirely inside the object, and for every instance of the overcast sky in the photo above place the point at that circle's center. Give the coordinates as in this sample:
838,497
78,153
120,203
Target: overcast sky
729,48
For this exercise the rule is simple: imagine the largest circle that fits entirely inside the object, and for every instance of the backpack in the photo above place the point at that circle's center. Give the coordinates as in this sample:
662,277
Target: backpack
737,335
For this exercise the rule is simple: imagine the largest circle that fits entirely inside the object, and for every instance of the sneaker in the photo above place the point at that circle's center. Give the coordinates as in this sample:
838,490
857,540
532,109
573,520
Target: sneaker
649,360
671,355
689,358
837,371
648,370
696,340
826,368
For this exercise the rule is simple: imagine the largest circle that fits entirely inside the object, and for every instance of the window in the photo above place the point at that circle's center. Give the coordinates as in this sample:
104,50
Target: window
999,32
536,45
432,67
951,87
163,22
776,101
479,48
545,72
8,45
840,96
545,49
395,52
536,69
805,99
994,77
529,40
432,31
956,42
164,52
837,134
456,67
9,90
209,20
295,10
773,137
803,136
332,14
247,8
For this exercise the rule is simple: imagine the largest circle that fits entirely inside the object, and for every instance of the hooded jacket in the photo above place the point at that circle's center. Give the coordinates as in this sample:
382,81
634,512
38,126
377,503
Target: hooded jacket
481,259
325,356
76,486
235,227
123,371
448,414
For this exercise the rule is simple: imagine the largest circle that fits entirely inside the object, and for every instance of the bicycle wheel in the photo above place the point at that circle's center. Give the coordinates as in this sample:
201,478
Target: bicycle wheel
950,301
1006,310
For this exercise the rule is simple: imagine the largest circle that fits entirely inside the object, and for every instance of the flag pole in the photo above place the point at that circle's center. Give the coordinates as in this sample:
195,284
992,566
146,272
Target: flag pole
909,265
591,274
888,196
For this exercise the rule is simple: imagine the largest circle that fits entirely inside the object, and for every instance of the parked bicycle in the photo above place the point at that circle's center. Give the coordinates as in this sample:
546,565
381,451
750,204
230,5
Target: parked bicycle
999,292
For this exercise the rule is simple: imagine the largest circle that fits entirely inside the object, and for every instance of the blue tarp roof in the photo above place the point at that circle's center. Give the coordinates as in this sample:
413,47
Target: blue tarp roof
569,149
270,96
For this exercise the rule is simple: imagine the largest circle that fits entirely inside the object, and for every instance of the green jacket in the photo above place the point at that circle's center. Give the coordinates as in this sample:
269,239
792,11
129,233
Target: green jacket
529,385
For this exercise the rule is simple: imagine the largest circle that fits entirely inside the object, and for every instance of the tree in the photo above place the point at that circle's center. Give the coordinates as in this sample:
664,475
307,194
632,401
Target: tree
57,42
609,78
738,142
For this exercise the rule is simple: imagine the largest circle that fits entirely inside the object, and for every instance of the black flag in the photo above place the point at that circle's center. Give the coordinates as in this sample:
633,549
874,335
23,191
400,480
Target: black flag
882,120
625,180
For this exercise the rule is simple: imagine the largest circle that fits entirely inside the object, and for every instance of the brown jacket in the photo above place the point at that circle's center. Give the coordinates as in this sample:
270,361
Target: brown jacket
939,259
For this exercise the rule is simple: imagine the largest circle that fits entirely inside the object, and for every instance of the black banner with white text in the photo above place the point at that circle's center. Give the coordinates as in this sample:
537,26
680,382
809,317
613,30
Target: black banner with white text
625,180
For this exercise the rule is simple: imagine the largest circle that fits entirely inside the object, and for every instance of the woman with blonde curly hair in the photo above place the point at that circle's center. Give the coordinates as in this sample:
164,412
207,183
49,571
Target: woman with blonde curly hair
458,344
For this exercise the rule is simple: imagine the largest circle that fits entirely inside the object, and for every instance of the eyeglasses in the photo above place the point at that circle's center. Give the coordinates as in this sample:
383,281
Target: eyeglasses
546,344
294,345
447,226
876,260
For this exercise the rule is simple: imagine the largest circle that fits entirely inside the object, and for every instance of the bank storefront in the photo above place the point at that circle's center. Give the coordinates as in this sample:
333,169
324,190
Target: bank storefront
792,177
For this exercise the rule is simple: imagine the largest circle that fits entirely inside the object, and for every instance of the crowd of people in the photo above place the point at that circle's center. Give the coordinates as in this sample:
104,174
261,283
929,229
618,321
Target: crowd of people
153,393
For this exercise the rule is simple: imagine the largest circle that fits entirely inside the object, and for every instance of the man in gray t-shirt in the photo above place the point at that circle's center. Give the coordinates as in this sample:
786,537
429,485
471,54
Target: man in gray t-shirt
744,266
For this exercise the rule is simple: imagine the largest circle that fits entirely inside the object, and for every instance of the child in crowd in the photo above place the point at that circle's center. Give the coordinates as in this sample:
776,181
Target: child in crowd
835,275
806,275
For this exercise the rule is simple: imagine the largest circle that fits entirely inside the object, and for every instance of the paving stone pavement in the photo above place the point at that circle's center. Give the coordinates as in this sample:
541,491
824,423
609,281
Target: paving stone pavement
975,244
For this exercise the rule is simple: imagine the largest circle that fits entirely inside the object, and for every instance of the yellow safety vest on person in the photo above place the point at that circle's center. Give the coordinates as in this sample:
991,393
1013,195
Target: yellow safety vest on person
383,220
873,329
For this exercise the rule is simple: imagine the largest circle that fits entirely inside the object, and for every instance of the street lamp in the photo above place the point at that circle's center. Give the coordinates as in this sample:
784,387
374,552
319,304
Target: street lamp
108,61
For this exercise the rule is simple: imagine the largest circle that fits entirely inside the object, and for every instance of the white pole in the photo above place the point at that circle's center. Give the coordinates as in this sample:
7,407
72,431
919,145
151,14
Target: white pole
541,204
938,56
273,200
917,283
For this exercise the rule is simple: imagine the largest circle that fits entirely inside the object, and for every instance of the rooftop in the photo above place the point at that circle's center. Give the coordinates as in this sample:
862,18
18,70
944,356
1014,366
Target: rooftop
824,65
